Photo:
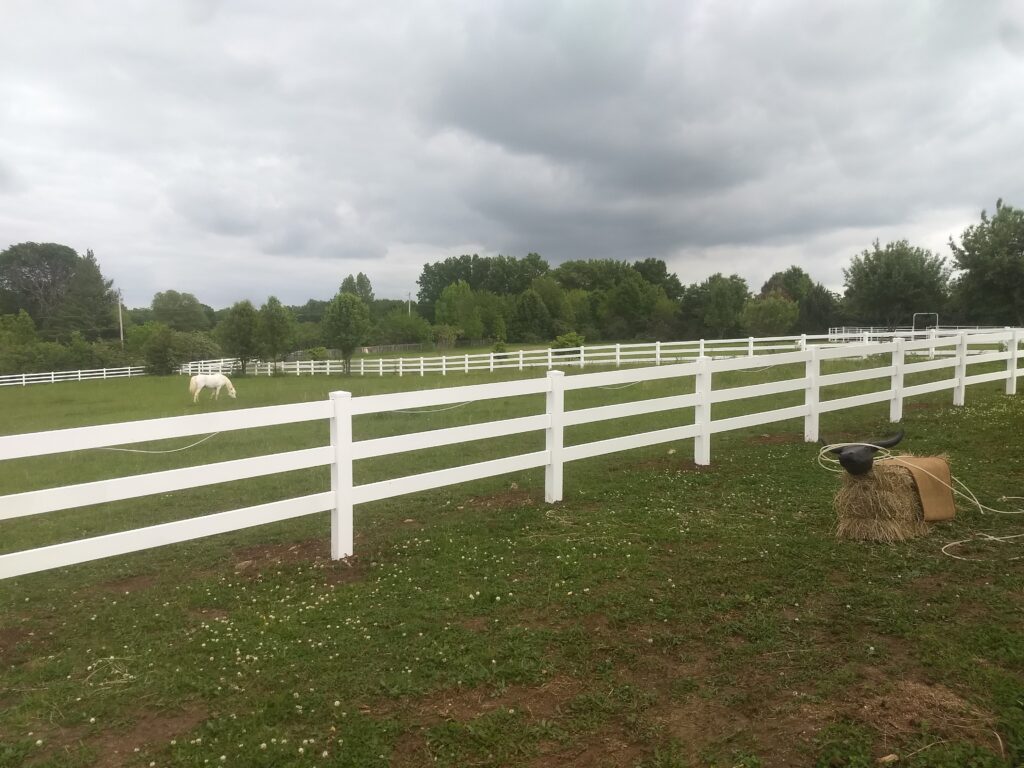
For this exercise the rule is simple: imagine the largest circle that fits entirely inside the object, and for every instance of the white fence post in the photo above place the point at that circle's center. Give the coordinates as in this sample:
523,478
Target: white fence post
380,363
490,362
702,413
618,355
812,369
549,358
553,441
362,366
582,361
961,370
520,359
465,366
1011,363
657,353
896,382
750,347
400,366
931,343
341,475
700,348
803,341
444,365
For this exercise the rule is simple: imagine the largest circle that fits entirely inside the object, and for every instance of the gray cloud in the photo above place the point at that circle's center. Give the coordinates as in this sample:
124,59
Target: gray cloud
243,150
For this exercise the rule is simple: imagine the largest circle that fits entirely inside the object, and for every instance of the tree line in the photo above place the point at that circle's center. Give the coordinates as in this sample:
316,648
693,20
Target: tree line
57,311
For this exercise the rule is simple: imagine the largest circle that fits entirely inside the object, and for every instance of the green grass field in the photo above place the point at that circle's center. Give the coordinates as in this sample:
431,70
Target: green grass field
662,615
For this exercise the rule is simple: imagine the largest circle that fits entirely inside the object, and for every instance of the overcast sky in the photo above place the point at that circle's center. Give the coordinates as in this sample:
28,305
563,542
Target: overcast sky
239,149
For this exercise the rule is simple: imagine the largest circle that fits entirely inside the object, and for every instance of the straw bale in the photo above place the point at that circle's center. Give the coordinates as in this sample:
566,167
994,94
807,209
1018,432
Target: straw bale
882,505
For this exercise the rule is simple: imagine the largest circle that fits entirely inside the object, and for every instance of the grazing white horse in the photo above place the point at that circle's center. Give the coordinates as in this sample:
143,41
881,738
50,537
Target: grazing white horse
214,381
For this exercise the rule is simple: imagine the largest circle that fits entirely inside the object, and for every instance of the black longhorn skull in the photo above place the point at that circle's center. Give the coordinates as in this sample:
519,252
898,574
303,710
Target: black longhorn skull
857,459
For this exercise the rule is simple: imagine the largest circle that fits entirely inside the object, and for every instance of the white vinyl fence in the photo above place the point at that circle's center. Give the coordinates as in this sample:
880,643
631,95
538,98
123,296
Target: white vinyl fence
607,355
965,350
51,377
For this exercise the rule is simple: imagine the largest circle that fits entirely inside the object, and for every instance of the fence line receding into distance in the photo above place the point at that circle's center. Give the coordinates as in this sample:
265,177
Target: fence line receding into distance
962,351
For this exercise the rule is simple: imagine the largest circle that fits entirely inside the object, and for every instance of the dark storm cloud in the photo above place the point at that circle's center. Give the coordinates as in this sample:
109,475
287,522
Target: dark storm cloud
267,148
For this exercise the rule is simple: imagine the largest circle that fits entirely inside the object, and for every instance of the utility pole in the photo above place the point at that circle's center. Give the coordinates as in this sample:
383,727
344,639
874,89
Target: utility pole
408,302
120,321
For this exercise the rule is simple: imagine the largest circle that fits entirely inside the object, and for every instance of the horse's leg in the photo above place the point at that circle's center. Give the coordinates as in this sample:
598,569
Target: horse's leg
216,393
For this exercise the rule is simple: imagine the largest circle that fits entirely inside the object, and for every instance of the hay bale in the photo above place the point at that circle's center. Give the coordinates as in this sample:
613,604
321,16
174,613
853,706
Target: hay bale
882,505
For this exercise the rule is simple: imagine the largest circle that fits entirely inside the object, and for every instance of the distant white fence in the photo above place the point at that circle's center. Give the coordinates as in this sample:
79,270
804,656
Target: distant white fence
617,355
342,452
51,377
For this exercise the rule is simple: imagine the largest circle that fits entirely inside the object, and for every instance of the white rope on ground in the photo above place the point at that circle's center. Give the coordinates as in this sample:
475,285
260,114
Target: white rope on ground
172,450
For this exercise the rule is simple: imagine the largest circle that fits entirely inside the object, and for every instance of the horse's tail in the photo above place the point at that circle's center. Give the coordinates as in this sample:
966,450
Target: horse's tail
193,385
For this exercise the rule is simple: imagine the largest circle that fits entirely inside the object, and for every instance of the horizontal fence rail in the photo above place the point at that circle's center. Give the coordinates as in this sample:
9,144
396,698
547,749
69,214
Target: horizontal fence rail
819,396
605,355
52,377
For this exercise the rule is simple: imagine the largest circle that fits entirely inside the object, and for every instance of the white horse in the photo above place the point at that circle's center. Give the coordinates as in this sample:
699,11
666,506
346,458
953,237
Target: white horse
214,381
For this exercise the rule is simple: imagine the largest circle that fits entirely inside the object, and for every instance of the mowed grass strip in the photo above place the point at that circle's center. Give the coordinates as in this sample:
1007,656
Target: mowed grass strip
662,615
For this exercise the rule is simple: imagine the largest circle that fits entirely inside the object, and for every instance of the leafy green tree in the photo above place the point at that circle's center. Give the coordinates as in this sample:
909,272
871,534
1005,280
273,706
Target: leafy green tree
359,285
310,312
158,350
445,335
346,324
402,327
237,332
592,274
655,272
179,311
308,335
793,284
819,310
457,306
275,329
501,275
713,308
581,309
990,257
627,308
552,294
886,286
771,315
89,304
35,277
530,320
60,290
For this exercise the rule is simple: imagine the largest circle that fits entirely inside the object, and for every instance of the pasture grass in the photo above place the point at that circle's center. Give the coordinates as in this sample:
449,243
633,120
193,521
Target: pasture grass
662,615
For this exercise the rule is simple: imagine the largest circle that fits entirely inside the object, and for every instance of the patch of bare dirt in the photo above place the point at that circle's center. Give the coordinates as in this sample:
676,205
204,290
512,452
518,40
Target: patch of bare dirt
115,748
608,748
465,704
512,497
907,704
127,584
10,638
316,553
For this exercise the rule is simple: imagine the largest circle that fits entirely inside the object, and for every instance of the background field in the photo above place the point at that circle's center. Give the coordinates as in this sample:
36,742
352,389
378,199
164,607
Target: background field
660,616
